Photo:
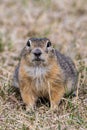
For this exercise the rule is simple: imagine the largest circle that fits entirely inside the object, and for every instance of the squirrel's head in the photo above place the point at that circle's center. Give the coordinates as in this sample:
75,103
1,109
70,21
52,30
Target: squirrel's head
38,51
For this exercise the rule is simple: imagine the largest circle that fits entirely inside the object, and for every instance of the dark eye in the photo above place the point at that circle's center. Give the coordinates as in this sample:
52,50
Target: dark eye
28,43
48,44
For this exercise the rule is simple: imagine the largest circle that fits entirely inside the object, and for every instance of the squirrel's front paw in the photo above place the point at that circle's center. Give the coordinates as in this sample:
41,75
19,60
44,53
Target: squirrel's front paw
30,108
54,106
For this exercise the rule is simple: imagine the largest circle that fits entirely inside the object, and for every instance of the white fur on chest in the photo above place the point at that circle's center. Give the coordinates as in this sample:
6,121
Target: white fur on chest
36,72
38,75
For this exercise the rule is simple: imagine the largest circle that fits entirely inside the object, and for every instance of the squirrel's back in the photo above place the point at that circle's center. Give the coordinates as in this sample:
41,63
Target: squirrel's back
70,74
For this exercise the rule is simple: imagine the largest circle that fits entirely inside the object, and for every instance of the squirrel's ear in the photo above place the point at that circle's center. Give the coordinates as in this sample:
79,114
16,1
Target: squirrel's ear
29,43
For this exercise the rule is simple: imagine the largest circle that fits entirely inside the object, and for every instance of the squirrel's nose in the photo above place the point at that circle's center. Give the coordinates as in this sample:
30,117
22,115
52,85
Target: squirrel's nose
37,52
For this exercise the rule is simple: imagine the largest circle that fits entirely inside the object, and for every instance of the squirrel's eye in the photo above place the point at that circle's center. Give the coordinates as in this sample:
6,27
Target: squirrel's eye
48,44
28,43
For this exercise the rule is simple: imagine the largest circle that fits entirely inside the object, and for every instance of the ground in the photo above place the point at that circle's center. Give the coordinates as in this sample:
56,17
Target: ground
64,22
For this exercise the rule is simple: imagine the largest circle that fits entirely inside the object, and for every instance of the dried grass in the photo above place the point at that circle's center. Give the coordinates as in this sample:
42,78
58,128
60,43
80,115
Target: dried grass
65,23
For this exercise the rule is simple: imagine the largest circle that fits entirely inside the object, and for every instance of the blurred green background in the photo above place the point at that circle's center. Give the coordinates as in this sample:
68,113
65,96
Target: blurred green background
63,21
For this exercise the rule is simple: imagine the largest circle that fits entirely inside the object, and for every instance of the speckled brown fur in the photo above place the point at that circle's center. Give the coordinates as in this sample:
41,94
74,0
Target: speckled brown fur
44,75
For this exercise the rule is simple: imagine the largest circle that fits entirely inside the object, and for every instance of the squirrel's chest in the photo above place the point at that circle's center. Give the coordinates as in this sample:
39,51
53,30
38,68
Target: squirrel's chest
38,77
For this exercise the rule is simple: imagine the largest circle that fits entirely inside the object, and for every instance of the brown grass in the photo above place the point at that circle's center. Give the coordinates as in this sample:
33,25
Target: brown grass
65,23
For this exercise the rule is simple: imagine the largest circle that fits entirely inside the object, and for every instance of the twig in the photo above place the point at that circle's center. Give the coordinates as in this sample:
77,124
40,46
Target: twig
78,86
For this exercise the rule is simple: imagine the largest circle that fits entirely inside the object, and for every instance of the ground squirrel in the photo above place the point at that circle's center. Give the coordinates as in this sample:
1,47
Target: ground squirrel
44,72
